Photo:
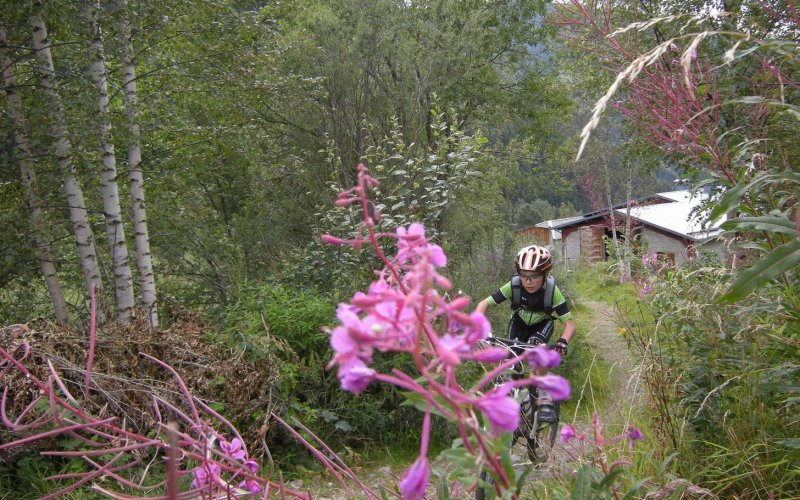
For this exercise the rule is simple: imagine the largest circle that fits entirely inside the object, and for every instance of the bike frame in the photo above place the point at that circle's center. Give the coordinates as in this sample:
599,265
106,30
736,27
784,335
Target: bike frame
531,429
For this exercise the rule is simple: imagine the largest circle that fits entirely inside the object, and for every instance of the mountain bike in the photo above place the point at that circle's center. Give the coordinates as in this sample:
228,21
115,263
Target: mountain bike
538,427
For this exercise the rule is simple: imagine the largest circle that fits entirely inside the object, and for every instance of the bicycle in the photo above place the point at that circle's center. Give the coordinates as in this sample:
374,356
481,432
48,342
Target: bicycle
538,428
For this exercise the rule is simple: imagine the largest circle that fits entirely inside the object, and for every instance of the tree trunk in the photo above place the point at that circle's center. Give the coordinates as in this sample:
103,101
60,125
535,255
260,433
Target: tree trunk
115,231
627,249
23,155
617,252
78,215
144,261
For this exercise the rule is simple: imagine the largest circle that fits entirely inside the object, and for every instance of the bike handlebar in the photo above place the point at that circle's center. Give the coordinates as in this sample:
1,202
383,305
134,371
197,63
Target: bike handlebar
514,346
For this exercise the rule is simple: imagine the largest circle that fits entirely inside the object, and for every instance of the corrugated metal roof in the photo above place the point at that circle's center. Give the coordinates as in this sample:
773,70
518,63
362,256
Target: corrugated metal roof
679,215
682,217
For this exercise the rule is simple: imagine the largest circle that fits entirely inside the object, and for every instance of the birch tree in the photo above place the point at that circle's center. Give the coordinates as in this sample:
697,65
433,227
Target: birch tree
115,232
23,156
144,261
79,217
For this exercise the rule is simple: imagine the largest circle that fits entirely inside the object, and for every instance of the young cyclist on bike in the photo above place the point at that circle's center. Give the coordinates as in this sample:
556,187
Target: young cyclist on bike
532,319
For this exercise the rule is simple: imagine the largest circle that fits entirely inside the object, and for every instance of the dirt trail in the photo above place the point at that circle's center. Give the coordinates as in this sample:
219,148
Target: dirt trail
625,393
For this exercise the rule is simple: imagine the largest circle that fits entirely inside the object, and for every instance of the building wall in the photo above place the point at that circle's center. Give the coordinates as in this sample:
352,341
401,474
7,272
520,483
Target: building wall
680,250
571,254
571,247
656,242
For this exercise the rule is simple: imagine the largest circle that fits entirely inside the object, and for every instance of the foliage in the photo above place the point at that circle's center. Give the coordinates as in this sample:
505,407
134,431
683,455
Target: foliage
722,377
404,311
719,96
193,441
417,183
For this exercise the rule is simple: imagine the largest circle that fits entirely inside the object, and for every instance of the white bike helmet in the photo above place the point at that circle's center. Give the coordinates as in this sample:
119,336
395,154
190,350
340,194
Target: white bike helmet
534,258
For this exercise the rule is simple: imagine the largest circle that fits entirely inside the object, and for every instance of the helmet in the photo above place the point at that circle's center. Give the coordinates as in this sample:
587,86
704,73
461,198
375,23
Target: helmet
534,258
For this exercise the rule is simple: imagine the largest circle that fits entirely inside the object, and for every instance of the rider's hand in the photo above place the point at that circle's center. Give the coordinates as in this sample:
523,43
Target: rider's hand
561,346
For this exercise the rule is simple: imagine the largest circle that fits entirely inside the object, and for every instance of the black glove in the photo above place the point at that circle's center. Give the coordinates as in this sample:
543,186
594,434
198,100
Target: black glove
561,346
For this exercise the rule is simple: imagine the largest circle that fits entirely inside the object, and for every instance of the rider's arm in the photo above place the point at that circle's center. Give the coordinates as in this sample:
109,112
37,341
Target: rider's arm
497,297
564,315
569,330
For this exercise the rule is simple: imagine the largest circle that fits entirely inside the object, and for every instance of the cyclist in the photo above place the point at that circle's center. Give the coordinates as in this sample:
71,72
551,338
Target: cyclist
532,321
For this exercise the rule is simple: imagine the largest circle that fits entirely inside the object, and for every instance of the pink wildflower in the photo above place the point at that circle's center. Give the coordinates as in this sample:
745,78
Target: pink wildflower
234,449
415,480
449,350
478,329
567,433
557,386
634,434
492,355
355,376
501,410
543,357
252,465
412,243
205,474
250,485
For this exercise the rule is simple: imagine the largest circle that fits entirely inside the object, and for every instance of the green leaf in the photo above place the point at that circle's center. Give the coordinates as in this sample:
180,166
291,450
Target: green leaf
328,415
663,467
769,223
583,483
728,202
343,426
783,258
790,443
635,487
608,481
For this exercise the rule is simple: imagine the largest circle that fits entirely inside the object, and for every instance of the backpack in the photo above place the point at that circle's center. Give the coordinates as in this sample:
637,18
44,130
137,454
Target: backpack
549,289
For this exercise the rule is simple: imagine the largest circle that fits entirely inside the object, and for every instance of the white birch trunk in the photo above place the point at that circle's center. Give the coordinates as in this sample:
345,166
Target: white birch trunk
115,230
78,215
23,155
144,261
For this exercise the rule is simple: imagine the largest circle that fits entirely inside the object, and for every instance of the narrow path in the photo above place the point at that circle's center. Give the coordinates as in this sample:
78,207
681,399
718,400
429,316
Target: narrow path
617,408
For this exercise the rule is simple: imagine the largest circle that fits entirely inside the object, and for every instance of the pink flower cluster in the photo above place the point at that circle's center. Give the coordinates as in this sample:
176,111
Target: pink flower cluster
406,309
208,474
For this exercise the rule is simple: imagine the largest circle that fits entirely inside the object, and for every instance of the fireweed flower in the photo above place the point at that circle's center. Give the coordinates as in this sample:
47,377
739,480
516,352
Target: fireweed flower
450,348
250,485
404,310
501,410
355,376
634,435
412,242
557,386
543,357
567,433
205,474
415,480
234,449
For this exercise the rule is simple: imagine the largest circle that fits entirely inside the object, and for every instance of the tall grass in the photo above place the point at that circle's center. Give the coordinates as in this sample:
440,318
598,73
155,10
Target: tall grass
721,379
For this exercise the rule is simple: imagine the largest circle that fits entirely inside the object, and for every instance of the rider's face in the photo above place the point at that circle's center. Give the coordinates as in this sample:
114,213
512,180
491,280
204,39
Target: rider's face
531,282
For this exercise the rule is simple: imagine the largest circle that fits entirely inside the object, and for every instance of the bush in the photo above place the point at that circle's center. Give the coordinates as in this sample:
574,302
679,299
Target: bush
273,321
723,377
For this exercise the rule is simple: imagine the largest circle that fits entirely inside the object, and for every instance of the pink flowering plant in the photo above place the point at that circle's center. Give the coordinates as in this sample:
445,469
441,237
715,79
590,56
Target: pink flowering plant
407,310
189,438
